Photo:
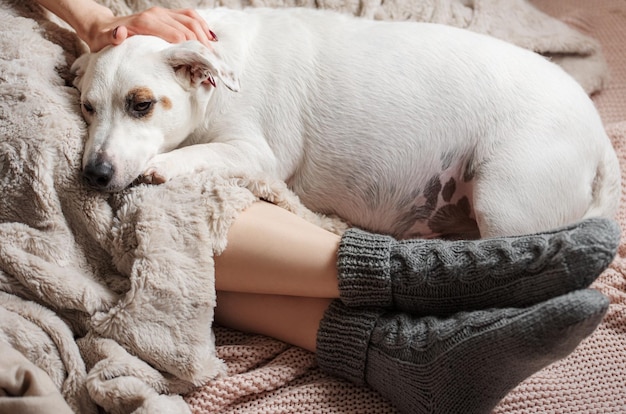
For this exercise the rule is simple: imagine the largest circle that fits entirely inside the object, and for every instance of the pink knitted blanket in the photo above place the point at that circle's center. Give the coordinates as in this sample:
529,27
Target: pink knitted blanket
267,376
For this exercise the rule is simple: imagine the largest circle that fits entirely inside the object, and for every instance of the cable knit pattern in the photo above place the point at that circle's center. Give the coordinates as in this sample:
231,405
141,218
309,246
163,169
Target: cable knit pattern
462,364
438,277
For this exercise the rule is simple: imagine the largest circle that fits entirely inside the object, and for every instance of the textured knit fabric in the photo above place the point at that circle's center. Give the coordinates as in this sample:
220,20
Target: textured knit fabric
438,277
462,364
343,341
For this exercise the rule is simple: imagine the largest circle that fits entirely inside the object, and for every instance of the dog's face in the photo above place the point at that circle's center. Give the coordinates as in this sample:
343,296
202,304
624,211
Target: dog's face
142,98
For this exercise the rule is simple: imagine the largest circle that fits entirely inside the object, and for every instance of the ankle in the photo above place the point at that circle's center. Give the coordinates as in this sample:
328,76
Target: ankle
363,267
343,341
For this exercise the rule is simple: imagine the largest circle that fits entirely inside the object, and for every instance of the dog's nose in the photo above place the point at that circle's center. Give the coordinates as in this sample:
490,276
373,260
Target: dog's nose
98,174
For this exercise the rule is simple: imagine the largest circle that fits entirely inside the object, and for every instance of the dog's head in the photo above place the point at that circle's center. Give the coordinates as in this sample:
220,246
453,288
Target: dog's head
142,98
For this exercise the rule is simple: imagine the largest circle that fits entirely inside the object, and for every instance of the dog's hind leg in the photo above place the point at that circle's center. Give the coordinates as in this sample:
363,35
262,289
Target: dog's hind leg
529,196
606,190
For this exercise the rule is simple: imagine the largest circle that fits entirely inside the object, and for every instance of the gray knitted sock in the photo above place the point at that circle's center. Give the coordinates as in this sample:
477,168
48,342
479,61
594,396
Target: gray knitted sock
439,277
462,364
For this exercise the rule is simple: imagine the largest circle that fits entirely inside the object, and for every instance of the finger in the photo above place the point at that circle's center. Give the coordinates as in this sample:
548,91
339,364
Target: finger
118,35
196,19
170,31
110,36
172,25
195,28
164,25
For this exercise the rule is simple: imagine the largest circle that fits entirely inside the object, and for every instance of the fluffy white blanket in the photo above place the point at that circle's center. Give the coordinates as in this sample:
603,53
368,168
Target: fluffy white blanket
113,295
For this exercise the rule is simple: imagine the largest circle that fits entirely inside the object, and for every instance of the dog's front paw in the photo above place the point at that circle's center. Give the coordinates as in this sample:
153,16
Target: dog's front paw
153,176
158,171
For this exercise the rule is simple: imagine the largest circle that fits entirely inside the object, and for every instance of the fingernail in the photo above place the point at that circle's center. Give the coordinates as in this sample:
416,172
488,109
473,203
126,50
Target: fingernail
115,32
213,34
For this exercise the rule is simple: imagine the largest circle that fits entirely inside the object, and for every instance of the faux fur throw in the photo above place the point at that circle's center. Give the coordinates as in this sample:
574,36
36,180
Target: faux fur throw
113,295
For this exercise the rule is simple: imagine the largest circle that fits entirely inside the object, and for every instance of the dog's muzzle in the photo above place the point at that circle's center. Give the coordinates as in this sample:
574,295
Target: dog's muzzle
99,173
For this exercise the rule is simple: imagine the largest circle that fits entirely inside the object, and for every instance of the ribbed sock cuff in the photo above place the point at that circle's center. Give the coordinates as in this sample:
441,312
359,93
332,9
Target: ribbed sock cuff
363,264
343,341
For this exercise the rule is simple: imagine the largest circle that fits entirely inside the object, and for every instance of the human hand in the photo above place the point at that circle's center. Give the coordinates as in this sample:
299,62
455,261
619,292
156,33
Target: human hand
172,25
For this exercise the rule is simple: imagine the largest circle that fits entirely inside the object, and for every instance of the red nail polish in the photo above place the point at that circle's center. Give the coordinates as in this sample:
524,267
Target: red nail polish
213,34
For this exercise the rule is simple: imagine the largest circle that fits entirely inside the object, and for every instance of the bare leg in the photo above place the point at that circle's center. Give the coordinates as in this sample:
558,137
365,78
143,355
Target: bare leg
279,273
273,251
291,319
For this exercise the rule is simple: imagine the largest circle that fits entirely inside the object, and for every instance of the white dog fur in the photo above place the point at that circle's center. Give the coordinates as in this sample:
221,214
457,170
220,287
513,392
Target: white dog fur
411,129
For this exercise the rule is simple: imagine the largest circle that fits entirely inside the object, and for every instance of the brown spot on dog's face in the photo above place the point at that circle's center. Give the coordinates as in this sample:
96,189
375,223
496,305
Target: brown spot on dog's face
140,103
166,102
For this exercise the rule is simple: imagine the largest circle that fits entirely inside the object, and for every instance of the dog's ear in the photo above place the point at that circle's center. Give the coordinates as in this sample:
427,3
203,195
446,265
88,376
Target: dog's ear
78,69
197,64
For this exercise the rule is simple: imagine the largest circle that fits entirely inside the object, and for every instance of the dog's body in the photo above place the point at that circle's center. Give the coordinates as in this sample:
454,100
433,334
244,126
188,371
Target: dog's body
410,129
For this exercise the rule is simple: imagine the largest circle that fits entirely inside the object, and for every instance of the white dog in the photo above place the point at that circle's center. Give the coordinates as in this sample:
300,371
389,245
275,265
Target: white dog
411,129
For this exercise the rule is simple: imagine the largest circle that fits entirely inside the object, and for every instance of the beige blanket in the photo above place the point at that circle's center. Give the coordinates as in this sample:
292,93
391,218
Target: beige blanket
112,295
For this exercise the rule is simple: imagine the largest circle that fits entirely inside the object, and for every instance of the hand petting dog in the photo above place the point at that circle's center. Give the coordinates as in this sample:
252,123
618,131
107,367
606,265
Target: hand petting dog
99,27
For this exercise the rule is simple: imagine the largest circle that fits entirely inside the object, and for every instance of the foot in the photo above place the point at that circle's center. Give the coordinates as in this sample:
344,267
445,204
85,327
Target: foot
438,277
463,364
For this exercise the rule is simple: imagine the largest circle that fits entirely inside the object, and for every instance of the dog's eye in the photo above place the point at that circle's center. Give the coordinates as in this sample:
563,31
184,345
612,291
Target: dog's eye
142,106
87,107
